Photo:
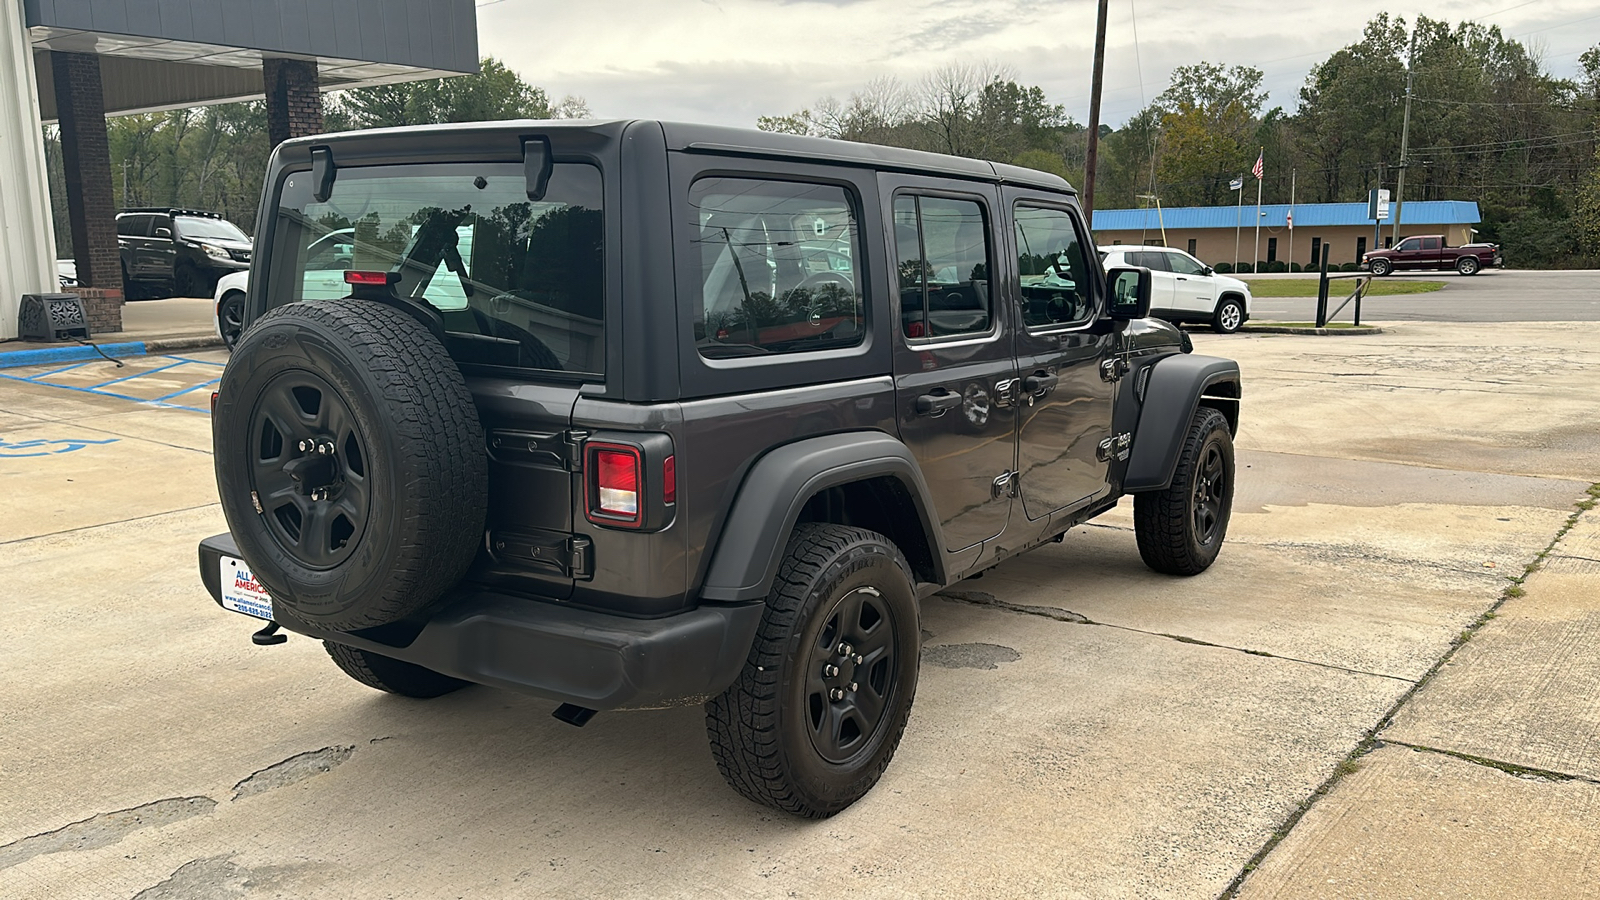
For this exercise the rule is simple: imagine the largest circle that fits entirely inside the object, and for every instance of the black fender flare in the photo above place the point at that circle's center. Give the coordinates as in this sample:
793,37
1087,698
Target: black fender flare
776,489
1171,394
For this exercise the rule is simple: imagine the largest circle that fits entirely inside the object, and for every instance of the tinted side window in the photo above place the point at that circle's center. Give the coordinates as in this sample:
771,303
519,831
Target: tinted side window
158,222
1409,244
1055,275
1181,264
1430,243
1152,260
943,250
778,267
133,226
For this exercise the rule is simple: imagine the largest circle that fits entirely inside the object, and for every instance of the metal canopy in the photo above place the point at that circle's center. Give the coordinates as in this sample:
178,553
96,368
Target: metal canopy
167,54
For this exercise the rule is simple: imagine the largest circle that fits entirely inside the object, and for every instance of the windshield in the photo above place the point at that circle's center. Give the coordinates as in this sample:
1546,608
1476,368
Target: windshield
197,228
517,283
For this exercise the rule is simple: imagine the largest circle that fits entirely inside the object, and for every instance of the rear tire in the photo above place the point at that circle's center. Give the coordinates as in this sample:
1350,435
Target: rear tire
394,676
1467,265
806,728
230,317
1381,267
188,282
1181,529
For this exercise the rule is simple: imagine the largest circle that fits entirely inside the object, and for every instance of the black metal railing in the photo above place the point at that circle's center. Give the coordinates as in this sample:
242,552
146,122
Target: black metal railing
1362,279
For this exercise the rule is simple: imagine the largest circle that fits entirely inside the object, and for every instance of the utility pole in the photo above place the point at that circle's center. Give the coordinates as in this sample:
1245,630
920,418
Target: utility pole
1405,138
1094,115
1293,175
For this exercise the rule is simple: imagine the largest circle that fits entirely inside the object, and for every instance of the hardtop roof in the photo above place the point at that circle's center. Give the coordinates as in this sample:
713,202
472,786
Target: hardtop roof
693,138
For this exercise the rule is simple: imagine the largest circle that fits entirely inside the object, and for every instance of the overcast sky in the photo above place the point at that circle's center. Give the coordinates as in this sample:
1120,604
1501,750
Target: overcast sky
729,61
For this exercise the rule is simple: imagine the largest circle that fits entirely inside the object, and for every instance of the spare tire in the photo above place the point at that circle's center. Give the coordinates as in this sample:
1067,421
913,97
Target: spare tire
350,462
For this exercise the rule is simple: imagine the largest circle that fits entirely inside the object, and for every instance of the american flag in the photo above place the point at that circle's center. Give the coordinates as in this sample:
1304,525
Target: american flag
1259,169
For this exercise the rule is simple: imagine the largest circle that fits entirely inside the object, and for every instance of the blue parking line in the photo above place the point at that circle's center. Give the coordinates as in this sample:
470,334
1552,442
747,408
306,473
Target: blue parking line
12,359
138,374
58,371
187,390
198,362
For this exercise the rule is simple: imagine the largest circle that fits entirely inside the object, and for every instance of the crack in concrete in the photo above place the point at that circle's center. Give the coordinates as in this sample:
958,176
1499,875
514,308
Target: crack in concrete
158,515
104,829
984,598
296,768
1369,740
1573,556
1509,768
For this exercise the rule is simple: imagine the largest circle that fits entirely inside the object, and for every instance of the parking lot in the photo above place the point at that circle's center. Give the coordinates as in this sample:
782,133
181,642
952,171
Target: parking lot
1083,727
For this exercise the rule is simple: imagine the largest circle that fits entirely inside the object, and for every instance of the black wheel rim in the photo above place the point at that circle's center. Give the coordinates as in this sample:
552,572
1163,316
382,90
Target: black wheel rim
850,677
1210,486
309,471
232,320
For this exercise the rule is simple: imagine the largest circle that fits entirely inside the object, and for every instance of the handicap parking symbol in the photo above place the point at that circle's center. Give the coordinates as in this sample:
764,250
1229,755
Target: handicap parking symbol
42,447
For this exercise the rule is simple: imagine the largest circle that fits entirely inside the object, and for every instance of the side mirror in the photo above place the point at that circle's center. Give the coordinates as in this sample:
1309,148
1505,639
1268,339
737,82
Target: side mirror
1208,271
164,232
1129,290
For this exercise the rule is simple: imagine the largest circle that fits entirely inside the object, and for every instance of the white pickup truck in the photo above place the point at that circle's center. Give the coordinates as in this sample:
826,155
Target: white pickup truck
1184,289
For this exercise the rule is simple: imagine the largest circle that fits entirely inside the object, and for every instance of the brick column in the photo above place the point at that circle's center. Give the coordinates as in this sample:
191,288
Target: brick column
80,107
294,105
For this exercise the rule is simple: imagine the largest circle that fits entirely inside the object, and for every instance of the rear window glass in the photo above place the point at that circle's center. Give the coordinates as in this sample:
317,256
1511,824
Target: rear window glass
779,267
517,282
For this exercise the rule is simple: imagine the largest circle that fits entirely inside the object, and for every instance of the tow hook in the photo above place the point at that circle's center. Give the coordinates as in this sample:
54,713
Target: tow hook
268,636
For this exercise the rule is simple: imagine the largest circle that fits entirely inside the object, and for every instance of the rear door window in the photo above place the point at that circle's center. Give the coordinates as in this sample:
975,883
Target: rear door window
518,283
942,245
779,267
133,226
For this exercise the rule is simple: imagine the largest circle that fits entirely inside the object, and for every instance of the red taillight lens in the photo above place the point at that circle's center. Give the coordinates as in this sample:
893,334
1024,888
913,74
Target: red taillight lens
352,276
616,482
669,480
214,395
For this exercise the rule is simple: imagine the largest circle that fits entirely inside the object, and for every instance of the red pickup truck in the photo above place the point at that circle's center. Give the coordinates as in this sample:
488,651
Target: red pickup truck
1431,251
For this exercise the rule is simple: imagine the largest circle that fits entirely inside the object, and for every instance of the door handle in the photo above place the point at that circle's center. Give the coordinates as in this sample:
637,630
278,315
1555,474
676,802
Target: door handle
1039,381
1183,278
937,404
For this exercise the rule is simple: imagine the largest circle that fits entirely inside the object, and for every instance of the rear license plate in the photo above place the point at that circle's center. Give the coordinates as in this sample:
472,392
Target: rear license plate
241,592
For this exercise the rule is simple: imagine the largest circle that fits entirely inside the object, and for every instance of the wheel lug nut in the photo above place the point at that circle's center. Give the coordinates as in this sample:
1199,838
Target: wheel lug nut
853,686
830,671
836,694
844,649
858,659
305,445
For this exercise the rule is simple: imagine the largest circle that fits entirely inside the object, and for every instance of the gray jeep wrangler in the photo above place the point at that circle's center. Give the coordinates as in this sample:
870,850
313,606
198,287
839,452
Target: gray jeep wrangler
635,414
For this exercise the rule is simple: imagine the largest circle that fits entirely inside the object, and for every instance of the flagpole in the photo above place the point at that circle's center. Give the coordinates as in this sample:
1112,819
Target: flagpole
1259,178
1293,173
1237,221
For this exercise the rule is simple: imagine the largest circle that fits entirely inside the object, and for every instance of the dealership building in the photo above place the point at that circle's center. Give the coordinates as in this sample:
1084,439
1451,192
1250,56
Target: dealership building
1218,234
73,62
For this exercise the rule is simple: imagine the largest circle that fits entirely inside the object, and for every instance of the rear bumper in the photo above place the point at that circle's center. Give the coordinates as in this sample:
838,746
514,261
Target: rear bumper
577,656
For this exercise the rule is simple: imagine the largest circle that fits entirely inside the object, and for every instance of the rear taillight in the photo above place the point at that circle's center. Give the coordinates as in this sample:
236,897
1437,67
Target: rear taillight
612,477
214,395
351,276
669,481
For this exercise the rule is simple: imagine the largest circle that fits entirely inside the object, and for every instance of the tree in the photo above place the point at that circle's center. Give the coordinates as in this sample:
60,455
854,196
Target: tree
494,93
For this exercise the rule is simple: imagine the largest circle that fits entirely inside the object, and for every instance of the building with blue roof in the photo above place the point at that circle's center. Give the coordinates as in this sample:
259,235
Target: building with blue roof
1208,232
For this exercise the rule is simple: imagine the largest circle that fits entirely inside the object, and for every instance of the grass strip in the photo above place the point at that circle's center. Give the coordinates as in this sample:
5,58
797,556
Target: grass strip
1307,287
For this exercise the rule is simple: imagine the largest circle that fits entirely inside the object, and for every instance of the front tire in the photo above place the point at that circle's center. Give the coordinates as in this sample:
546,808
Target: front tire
391,675
1467,265
1381,267
1229,317
816,715
1180,530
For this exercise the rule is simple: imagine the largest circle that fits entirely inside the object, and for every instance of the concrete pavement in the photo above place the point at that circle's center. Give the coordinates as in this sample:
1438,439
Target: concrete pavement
1083,727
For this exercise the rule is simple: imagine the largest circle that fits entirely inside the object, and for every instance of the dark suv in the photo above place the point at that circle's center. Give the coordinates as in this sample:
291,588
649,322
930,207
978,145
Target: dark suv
169,252
636,414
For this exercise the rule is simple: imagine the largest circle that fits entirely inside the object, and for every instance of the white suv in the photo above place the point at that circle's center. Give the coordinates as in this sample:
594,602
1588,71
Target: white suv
1184,289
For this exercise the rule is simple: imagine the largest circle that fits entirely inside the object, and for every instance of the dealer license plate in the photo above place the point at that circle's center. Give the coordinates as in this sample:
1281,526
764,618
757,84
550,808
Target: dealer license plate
241,592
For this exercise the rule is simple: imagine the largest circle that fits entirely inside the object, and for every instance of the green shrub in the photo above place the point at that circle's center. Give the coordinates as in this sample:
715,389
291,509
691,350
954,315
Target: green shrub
1294,267
1223,268
1243,267
1277,265
1347,267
